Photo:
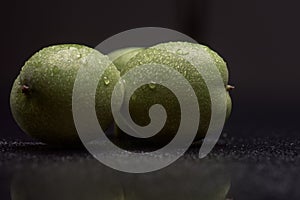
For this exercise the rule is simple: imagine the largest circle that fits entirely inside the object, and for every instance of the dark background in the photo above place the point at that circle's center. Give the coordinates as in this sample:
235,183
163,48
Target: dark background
258,39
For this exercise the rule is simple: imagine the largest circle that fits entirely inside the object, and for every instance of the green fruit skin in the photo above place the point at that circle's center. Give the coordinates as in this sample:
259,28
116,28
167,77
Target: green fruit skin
120,57
45,112
186,47
229,105
145,97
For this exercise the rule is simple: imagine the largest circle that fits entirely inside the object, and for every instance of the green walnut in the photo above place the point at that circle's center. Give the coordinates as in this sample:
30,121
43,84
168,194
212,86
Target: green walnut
169,54
41,96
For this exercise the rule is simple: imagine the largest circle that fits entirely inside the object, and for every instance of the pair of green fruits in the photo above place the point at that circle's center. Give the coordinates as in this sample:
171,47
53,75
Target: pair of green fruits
41,96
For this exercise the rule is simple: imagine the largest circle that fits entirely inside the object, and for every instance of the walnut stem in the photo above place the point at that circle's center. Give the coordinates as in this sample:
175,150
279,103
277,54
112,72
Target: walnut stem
229,87
25,89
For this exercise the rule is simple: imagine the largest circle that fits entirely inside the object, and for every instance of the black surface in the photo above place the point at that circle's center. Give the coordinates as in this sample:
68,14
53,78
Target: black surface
259,168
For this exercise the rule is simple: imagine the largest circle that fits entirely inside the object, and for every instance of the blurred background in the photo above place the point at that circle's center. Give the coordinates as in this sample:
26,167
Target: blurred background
258,39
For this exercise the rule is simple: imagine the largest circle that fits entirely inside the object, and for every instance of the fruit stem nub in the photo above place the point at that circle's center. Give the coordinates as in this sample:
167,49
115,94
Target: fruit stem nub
25,89
229,87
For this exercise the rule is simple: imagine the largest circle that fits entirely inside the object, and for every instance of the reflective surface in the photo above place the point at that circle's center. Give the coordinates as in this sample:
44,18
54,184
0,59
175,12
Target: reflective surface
266,168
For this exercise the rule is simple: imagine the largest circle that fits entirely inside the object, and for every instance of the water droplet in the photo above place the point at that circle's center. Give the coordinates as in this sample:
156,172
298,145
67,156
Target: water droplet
78,55
182,52
84,61
73,48
106,81
152,85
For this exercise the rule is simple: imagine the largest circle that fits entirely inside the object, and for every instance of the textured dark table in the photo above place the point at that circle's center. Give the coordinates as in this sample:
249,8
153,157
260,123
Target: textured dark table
237,168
